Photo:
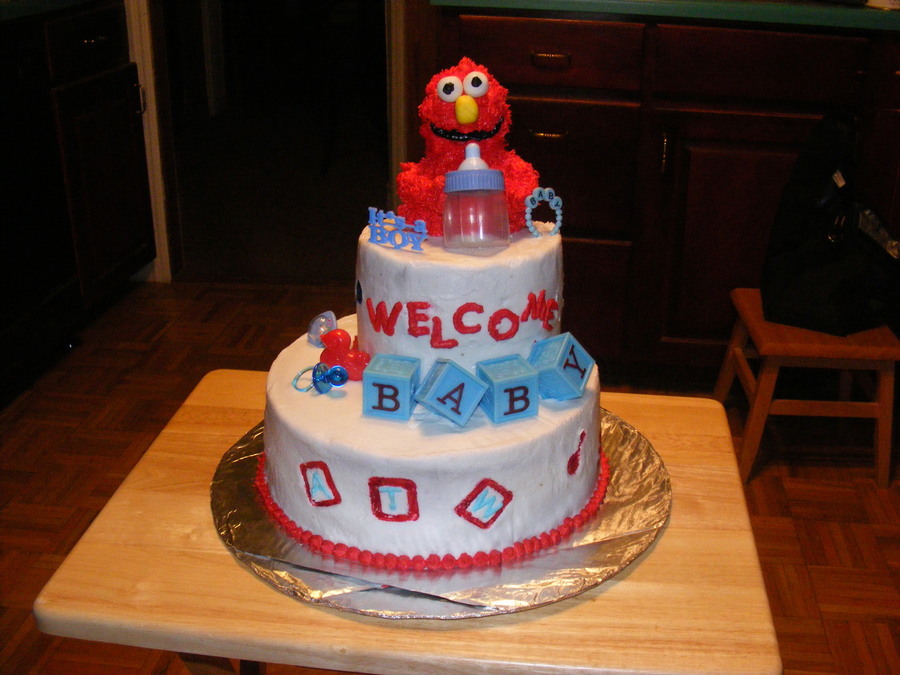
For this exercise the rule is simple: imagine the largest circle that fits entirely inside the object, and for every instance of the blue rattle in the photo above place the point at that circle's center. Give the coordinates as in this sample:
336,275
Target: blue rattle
553,200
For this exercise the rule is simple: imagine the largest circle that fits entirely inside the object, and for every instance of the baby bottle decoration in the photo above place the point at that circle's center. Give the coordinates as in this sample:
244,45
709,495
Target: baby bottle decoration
475,208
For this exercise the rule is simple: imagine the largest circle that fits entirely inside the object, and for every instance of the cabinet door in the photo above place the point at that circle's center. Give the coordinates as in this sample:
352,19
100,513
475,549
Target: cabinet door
714,183
594,292
40,303
587,151
879,162
36,257
102,147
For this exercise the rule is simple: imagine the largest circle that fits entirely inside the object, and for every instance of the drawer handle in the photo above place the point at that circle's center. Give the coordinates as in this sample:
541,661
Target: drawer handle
548,135
94,42
142,99
664,154
550,60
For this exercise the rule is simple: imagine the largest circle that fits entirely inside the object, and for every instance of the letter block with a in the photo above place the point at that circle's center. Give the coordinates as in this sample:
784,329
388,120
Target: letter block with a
451,390
389,384
563,366
513,391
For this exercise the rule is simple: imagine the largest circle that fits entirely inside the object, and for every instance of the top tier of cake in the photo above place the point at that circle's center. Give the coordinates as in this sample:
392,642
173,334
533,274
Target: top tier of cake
468,307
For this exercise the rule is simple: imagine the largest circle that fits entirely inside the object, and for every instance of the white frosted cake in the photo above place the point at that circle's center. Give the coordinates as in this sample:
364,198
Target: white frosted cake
425,492
466,306
468,434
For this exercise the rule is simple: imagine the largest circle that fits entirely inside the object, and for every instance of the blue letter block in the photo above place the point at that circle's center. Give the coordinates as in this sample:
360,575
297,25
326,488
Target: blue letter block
389,384
451,390
512,388
563,366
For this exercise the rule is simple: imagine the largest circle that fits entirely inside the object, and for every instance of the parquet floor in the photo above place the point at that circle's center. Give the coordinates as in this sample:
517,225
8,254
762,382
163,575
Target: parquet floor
828,539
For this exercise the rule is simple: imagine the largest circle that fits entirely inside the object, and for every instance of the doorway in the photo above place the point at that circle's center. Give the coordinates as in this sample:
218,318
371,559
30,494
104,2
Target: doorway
279,116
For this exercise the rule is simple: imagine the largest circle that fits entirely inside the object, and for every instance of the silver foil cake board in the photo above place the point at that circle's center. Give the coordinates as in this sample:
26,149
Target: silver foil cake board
636,508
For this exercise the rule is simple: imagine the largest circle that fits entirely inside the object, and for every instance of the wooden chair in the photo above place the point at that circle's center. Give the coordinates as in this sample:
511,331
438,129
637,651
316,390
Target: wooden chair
777,346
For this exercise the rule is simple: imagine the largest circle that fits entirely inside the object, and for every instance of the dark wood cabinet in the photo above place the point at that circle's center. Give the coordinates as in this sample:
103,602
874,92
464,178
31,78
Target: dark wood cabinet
76,219
578,146
586,150
743,65
598,55
102,148
40,305
576,116
670,144
712,186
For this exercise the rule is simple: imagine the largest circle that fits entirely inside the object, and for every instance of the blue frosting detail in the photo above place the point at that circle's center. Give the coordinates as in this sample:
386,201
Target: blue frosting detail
451,391
389,385
563,366
553,200
387,229
513,388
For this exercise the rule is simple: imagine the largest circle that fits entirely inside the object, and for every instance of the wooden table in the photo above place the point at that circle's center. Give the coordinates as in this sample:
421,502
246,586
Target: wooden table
151,570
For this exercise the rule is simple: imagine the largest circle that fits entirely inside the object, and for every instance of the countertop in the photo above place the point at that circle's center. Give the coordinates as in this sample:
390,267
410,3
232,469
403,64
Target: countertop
151,570
819,14
17,9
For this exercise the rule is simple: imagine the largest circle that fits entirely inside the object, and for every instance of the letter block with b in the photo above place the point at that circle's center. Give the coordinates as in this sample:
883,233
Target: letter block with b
513,391
451,390
389,385
563,366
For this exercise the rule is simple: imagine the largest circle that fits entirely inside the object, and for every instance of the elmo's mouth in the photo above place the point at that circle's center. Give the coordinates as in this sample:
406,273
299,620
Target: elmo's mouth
460,137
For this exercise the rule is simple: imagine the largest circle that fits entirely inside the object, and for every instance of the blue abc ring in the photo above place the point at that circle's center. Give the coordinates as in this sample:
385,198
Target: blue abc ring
553,200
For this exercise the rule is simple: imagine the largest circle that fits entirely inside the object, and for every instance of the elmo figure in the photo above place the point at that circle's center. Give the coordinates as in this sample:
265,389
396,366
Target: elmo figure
462,104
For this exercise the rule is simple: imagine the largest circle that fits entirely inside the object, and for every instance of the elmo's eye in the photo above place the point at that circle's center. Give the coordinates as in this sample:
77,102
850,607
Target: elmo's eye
449,88
476,84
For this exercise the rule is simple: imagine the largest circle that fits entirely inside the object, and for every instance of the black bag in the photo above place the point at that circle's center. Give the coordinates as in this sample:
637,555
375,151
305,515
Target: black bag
830,264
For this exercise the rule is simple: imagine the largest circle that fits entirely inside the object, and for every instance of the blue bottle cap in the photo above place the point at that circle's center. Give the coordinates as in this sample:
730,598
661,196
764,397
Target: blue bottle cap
474,179
473,174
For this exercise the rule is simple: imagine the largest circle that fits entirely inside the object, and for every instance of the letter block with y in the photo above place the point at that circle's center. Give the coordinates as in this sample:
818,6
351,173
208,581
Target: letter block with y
512,388
451,390
563,366
389,385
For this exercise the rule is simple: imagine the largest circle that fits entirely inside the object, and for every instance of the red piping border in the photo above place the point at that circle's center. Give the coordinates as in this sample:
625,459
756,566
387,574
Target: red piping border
433,562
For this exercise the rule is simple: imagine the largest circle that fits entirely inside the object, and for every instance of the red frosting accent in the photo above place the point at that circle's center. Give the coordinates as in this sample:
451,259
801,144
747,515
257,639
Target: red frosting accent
437,336
433,562
383,322
502,324
415,316
465,308
305,470
462,509
575,459
340,350
495,320
404,484
540,308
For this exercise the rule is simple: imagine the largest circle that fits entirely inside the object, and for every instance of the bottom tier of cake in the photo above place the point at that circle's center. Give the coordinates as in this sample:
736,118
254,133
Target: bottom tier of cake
424,493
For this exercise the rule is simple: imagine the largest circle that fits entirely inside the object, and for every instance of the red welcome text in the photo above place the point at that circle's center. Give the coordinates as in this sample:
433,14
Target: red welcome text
468,319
